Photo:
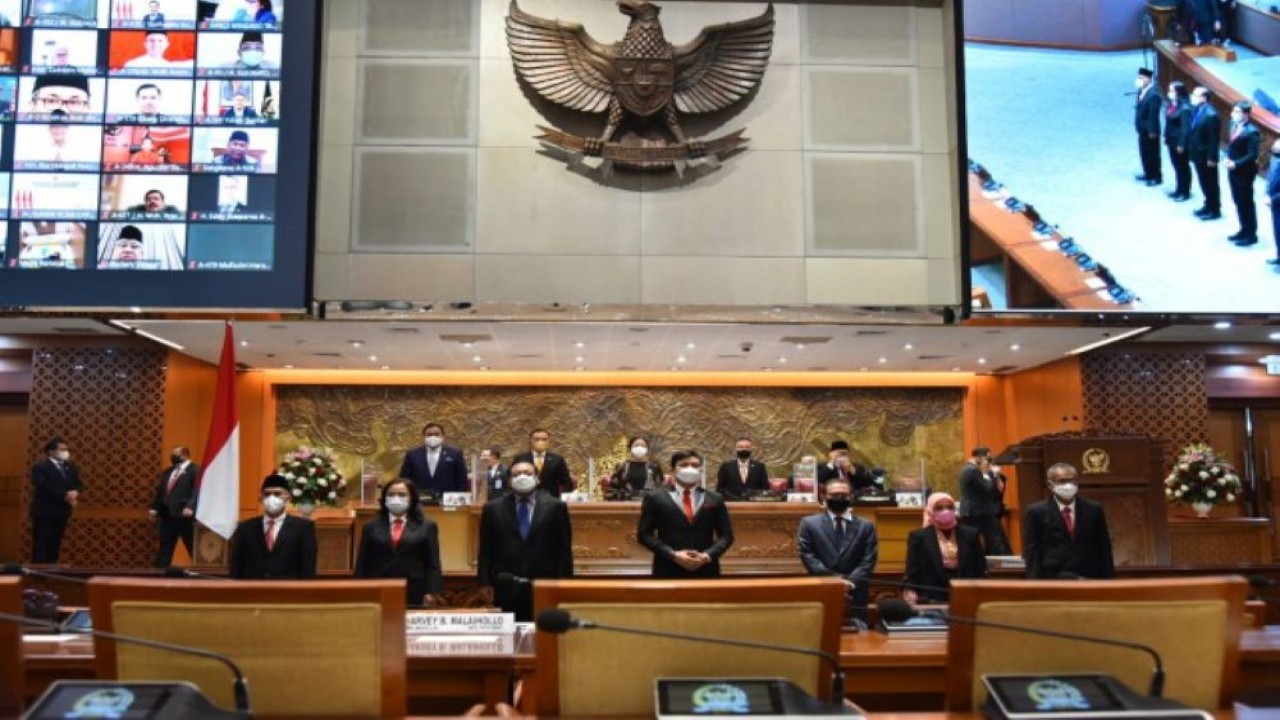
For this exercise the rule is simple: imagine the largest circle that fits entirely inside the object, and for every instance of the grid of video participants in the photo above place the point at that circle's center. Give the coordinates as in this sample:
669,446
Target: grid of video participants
139,134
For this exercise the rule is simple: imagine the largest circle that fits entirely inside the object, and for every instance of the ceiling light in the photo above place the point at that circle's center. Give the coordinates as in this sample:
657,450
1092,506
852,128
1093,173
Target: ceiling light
1222,325
883,360
579,344
356,343
690,346
799,346
468,345
1108,341
288,367
782,360
483,367
1274,336
135,309
579,359
681,359
373,358
1015,347
982,361
908,346
244,343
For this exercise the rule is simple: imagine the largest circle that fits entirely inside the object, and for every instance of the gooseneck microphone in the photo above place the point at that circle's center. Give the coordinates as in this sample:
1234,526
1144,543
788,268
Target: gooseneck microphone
24,571
557,621
895,610
241,686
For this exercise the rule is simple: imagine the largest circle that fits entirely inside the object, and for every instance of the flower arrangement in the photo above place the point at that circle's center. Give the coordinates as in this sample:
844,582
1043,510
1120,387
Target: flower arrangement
313,477
1201,476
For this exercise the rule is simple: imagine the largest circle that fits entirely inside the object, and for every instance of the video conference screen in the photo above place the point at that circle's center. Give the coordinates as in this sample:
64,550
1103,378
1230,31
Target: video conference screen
156,153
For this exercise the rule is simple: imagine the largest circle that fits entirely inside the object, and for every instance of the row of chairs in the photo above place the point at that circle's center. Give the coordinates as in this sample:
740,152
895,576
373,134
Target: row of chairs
291,637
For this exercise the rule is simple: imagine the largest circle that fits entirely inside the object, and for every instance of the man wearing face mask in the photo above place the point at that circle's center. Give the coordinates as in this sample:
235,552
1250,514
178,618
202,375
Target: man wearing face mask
1272,199
982,501
1202,149
1242,168
434,467
837,542
173,506
840,465
252,54
740,478
687,527
526,534
56,489
1066,534
551,469
274,545
1146,121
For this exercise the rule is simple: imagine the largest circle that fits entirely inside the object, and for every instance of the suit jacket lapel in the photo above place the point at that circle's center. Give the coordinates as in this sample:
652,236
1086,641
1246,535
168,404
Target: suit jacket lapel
935,549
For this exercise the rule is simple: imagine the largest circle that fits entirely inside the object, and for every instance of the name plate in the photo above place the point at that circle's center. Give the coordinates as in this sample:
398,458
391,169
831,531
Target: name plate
455,500
802,497
575,497
463,644
460,623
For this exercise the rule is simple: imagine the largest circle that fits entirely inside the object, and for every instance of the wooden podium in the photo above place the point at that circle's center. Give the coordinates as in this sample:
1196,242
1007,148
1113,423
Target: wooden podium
1122,472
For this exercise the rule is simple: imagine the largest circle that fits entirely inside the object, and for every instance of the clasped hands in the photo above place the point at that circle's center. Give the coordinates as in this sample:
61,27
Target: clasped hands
690,560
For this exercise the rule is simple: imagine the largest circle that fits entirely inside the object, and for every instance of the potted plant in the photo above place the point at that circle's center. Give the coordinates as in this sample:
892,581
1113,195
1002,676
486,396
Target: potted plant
1201,478
313,479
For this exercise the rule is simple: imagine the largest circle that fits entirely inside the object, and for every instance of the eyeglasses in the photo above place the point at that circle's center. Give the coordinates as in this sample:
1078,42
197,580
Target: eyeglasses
53,102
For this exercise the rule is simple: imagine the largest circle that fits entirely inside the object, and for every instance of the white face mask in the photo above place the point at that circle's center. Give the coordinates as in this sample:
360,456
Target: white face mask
639,451
397,505
688,475
252,58
524,484
274,504
63,455
433,441
1066,491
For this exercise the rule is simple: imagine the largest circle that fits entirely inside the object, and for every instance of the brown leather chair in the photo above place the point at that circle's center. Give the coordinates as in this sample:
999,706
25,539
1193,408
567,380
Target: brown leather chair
310,648
1194,623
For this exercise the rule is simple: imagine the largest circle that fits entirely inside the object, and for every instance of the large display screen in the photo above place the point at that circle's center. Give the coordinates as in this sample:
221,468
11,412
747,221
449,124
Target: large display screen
156,153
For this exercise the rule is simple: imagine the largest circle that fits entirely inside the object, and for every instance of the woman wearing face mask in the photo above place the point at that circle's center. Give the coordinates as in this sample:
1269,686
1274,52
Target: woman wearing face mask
402,542
1177,131
636,474
940,551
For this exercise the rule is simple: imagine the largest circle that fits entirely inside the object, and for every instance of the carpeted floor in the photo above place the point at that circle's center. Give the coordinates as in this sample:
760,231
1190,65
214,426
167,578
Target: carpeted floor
1056,127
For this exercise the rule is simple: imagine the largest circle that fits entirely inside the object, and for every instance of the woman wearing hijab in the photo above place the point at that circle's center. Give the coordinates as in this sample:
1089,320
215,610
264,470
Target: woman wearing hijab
401,542
941,550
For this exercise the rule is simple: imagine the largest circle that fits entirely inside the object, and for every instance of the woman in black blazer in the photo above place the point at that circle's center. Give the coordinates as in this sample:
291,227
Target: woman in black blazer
635,474
415,555
940,551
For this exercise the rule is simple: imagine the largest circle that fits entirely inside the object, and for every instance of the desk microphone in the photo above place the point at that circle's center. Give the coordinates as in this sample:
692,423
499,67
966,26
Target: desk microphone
559,621
22,570
174,571
241,686
896,610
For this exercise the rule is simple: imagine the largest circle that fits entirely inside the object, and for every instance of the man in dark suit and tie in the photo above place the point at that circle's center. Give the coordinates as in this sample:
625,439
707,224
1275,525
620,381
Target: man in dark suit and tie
982,501
434,467
174,506
526,534
274,545
154,19
1242,168
686,527
1146,121
737,479
1066,534
496,475
56,489
839,465
1203,148
837,542
552,470
1272,199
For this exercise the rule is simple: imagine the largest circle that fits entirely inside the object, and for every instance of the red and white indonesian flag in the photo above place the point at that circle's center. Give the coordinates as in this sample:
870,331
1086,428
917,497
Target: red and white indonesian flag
218,507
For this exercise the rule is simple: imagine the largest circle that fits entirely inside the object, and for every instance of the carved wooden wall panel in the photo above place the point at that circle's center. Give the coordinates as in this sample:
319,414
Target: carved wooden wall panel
108,404
889,428
1159,394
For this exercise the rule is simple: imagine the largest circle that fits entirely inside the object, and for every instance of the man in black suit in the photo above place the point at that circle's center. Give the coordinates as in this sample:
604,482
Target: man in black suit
274,545
1202,147
840,466
173,507
982,501
434,467
1242,168
56,490
154,18
837,542
1206,21
552,470
1066,534
736,479
1146,121
686,527
497,476
526,534
1177,129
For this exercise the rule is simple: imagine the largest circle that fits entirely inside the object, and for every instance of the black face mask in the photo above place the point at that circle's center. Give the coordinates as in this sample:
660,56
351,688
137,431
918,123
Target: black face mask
838,505
177,459
744,454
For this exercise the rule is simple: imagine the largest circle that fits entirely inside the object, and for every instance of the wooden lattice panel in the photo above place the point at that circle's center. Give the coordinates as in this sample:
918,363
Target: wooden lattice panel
1158,394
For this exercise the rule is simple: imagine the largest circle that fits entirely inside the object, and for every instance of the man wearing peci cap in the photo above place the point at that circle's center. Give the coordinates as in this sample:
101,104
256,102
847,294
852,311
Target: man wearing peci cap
1146,121
839,465
251,54
237,152
1242,167
66,91
274,545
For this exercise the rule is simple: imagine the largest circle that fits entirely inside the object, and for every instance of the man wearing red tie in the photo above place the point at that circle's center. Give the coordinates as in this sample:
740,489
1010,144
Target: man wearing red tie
274,545
686,527
173,508
1066,535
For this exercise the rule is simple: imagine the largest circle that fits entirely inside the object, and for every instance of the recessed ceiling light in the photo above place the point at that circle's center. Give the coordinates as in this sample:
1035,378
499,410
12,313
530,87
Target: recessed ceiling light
476,358
883,360
690,346
1274,336
288,367
799,346
579,359
244,343
356,343
373,358
908,346
1015,347
468,345
579,344
782,360
1222,325
982,361
681,359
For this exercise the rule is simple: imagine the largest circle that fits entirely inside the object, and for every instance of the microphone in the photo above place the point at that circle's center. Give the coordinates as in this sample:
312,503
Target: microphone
557,621
16,569
174,571
896,610
241,686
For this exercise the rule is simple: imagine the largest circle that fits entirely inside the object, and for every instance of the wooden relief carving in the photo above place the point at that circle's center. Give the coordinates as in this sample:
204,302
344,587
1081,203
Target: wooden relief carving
642,83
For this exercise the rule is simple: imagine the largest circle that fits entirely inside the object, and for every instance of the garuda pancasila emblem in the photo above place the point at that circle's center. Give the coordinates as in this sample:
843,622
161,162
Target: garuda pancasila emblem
643,82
